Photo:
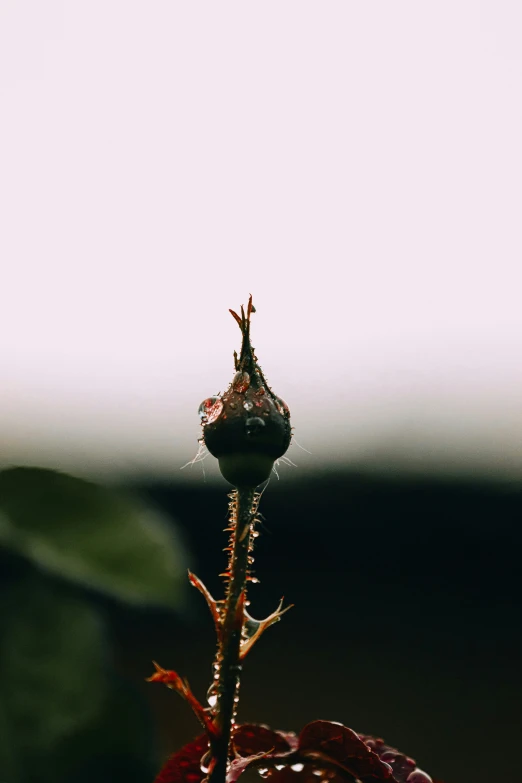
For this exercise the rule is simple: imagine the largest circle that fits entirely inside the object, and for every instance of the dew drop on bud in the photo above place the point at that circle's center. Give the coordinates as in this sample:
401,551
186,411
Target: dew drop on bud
210,409
297,767
418,776
248,405
241,382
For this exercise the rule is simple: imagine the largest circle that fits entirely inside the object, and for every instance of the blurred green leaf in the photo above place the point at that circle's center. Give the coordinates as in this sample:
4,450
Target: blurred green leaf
90,535
52,672
8,766
117,746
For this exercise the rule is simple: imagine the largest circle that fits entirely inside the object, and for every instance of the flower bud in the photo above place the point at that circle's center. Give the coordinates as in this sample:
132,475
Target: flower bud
248,427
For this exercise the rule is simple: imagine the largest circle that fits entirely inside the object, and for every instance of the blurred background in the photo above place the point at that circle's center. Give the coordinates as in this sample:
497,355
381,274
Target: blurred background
357,168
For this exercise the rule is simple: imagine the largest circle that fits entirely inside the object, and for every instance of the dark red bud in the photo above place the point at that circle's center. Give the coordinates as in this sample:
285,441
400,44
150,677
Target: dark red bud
248,428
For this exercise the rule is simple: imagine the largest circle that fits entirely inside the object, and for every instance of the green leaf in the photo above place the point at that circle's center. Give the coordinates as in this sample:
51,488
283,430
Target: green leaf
52,672
117,746
8,765
91,535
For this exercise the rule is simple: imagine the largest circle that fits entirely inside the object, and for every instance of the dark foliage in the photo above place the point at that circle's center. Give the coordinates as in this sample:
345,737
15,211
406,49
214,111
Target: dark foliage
324,751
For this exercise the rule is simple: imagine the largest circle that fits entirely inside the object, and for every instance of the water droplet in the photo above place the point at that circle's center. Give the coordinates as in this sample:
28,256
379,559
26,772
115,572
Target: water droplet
262,771
279,767
318,772
248,405
210,409
297,767
212,695
241,382
204,764
418,776
255,534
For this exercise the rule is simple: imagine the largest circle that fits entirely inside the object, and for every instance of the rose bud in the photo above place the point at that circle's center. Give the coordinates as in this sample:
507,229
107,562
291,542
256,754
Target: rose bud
248,427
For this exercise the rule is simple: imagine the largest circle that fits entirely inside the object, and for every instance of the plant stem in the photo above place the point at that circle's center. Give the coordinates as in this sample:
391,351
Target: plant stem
232,625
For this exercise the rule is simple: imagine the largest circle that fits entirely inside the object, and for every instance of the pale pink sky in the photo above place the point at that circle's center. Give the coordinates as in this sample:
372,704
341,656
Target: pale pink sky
357,166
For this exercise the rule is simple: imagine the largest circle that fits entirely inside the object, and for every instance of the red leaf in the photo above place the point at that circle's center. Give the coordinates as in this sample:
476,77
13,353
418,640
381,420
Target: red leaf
251,739
254,742
342,747
184,766
325,752
404,768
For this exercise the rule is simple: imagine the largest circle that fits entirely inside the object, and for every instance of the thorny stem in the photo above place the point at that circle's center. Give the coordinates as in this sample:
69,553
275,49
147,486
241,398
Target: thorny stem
247,429
230,642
